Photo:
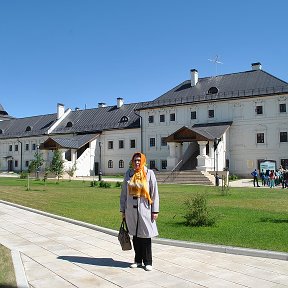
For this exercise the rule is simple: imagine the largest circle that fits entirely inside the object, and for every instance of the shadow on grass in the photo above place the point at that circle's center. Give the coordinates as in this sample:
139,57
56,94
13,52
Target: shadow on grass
106,262
272,220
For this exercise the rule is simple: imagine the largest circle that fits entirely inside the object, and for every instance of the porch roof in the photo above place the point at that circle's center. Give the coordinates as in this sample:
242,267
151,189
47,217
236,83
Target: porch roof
73,141
199,132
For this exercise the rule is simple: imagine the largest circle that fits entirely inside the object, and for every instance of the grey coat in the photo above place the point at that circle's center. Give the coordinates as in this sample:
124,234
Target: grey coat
139,210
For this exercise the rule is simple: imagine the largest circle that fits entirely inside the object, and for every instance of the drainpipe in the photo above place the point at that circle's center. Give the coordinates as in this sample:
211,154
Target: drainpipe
141,129
21,155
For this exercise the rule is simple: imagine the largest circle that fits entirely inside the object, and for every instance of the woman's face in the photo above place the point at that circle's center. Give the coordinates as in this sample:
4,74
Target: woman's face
137,161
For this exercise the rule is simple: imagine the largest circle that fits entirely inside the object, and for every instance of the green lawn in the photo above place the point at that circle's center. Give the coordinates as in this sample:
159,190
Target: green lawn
7,275
246,217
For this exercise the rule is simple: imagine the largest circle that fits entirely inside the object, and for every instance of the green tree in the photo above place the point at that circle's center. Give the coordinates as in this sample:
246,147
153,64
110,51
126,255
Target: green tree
71,171
57,164
36,163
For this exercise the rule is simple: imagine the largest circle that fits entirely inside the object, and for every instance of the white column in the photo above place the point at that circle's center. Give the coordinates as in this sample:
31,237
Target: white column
203,160
172,158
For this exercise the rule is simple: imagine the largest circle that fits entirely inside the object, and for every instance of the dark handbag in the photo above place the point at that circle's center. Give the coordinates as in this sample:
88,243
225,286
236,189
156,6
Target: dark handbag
124,237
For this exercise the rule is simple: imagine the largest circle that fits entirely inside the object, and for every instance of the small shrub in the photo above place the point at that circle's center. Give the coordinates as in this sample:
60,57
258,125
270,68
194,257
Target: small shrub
118,184
93,184
233,177
197,212
23,175
103,184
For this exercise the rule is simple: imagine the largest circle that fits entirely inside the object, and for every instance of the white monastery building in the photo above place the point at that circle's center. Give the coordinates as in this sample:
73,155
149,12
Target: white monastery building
228,122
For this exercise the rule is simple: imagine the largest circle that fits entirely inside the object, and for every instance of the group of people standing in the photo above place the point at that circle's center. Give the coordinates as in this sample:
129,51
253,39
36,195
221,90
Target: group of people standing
271,178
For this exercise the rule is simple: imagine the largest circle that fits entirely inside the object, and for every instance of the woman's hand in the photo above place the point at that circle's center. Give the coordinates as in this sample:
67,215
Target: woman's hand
154,216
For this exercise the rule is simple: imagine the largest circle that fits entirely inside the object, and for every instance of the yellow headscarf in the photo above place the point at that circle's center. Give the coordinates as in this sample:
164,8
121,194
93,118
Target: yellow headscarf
138,185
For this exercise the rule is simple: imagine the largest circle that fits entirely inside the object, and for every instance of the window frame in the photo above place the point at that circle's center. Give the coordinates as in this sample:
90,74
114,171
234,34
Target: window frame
110,164
283,109
151,119
110,145
260,138
211,113
121,146
131,143
172,117
152,142
162,118
283,136
192,115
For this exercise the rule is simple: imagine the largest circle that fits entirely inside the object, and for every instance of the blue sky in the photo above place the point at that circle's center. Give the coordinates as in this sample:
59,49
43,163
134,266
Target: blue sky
82,52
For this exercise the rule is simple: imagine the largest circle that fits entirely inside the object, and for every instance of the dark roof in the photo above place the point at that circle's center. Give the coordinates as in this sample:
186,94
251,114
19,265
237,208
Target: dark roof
237,85
199,132
211,130
74,142
25,127
99,119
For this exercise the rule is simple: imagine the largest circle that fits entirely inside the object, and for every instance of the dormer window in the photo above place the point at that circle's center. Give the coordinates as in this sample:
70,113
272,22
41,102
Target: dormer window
1,131
28,128
69,124
124,119
213,90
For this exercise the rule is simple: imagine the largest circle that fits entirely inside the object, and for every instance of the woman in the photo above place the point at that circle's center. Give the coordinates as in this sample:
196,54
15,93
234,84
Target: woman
139,204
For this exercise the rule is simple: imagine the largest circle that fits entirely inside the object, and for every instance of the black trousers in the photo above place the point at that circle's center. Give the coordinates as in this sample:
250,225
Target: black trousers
143,250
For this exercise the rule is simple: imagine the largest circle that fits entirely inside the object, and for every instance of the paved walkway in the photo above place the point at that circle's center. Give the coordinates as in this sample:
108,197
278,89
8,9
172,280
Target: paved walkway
56,253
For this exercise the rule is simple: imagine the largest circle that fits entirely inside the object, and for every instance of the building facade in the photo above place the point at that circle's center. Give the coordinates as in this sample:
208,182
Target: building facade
228,122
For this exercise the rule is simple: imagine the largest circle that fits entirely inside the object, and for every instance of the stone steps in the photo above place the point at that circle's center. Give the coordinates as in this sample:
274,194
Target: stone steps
183,177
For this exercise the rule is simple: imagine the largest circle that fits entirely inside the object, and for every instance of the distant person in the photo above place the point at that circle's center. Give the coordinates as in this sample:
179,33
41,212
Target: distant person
272,179
139,204
255,178
262,176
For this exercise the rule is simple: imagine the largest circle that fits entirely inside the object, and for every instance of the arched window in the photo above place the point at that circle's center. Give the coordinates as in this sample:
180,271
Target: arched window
28,128
110,164
124,119
69,124
213,90
121,164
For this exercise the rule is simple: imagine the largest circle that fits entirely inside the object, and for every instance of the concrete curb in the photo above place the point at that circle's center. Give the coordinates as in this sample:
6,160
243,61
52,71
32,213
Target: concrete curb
178,243
21,279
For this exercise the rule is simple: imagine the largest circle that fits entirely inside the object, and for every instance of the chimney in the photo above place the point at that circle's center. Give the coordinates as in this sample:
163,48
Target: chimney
120,102
256,66
60,110
194,77
101,105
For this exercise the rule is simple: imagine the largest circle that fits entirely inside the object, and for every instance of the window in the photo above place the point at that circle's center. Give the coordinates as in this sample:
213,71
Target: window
124,119
33,146
210,113
152,164
27,163
1,131
121,164
16,163
121,144
28,128
152,142
162,118
110,144
213,90
27,147
193,114
151,119
164,164
283,136
260,137
132,143
16,147
259,110
282,108
172,117
110,164
163,141
10,147
69,124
